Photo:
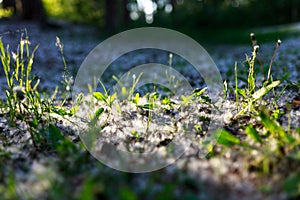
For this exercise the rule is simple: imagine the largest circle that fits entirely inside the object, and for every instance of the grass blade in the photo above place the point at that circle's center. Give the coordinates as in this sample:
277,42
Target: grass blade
99,96
226,138
264,90
272,126
253,134
96,116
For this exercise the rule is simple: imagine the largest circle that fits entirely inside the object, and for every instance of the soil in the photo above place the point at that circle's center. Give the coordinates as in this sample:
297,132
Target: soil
221,177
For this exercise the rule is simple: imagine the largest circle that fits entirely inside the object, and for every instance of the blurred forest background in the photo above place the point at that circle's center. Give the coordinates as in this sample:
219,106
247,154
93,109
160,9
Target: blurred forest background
181,15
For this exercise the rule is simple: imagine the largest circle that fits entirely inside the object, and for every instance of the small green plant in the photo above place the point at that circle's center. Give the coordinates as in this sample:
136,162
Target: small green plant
251,95
270,130
17,69
186,100
135,133
106,97
291,185
149,106
67,78
22,96
270,144
267,143
128,93
136,98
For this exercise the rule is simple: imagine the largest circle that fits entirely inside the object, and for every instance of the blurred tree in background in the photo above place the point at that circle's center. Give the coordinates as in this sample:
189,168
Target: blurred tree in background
26,9
179,14
79,11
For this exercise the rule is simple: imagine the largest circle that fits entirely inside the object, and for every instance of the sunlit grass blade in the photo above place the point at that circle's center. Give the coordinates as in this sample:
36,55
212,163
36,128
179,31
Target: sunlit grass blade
292,185
253,134
5,60
96,117
251,75
225,138
273,127
29,68
264,90
198,93
236,85
99,96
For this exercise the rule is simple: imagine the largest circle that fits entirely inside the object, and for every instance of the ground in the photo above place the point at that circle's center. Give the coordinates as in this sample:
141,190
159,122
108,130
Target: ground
62,168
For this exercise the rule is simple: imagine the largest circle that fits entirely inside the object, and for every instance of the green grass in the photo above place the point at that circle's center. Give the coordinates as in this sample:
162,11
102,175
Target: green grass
253,134
265,137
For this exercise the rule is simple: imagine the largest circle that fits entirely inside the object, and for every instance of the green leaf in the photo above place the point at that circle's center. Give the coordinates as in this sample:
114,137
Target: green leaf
269,124
112,98
127,194
124,91
198,128
55,135
34,123
198,93
166,101
87,192
165,89
186,100
276,113
253,134
134,133
154,95
292,185
99,96
136,98
264,90
225,138
272,126
241,92
61,111
96,116
147,106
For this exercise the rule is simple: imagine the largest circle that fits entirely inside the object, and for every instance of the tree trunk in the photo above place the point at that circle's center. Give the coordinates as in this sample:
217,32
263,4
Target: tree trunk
173,14
110,15
125,13
33,10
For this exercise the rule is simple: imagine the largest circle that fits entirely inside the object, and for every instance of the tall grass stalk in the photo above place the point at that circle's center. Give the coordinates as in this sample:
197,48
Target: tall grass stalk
6,60
278,43
251,75
67,77
236,85
254,43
